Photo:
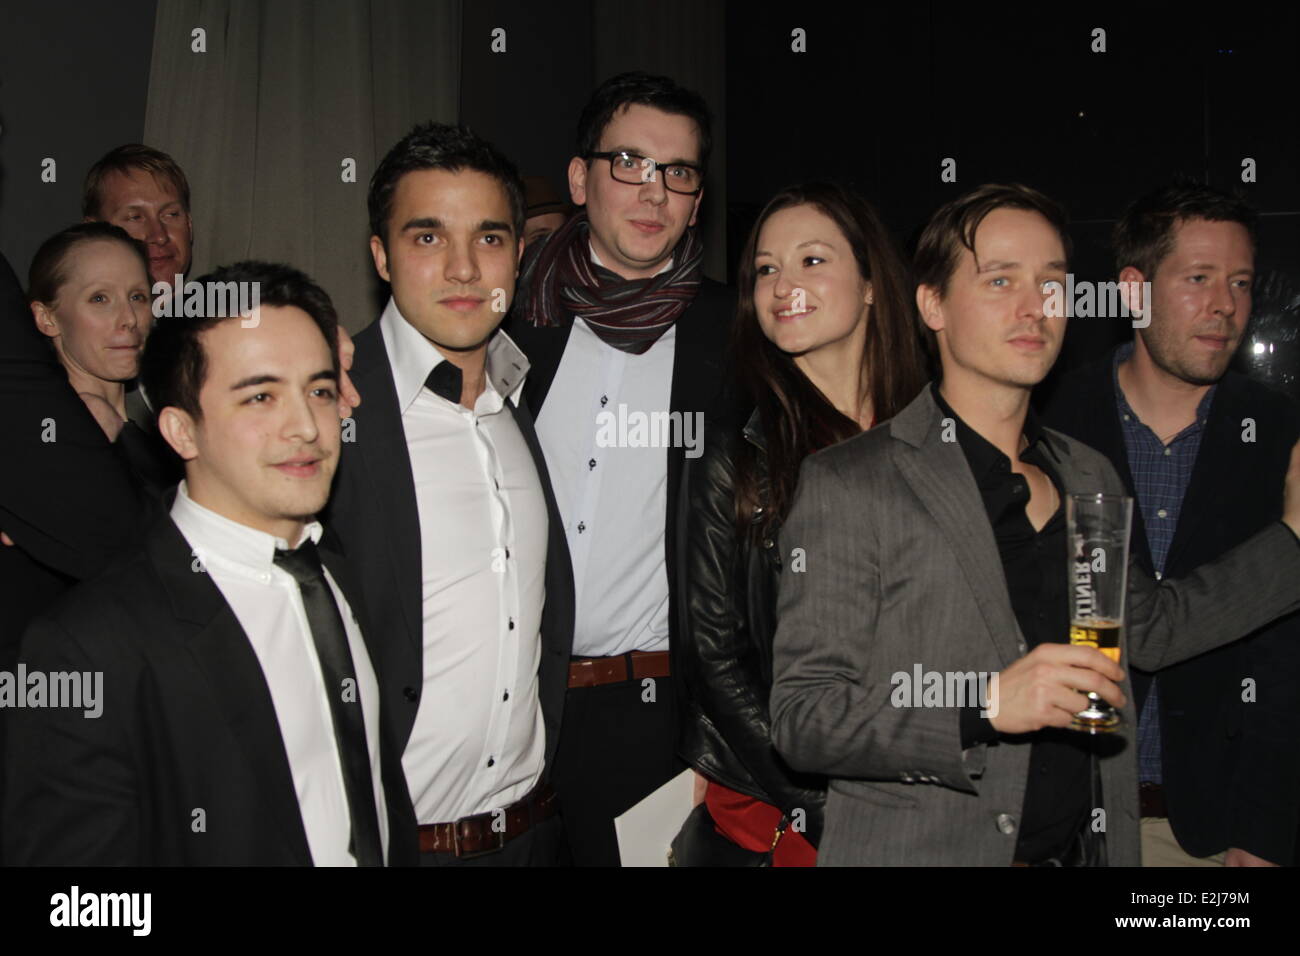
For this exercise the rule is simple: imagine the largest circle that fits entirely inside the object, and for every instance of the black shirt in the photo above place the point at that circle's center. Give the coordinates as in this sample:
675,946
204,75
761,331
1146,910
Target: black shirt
1057,794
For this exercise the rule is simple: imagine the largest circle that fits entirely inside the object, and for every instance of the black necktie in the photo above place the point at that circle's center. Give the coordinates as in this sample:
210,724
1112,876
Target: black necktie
331,642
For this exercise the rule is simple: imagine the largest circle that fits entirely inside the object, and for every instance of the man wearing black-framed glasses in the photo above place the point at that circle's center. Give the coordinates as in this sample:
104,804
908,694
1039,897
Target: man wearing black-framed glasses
618,322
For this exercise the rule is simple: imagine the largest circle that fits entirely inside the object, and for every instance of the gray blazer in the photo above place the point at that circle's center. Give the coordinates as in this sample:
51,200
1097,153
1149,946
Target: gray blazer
900,568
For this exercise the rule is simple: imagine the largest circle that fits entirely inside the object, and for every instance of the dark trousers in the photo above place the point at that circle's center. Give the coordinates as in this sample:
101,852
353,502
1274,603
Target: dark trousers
542,845
616,747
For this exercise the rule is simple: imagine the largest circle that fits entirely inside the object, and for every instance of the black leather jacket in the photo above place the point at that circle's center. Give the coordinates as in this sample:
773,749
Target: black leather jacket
727,622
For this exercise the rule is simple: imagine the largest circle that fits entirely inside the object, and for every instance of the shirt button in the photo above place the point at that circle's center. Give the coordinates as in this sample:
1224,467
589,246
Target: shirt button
507,554
1168,450
1006,823
512,624
603,400
1162,513
591,464
410,694
1127,418
506,695
1159,575
581,527
492,761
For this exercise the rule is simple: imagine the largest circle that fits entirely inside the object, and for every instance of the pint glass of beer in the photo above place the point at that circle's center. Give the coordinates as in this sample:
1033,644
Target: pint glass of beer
1098,536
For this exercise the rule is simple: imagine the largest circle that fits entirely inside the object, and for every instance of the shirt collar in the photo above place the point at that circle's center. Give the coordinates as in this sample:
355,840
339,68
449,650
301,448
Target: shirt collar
596,259
982,455
413,358
1122,355
215,536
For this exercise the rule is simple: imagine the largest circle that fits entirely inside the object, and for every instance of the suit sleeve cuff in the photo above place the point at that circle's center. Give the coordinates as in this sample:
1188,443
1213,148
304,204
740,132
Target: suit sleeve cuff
976,729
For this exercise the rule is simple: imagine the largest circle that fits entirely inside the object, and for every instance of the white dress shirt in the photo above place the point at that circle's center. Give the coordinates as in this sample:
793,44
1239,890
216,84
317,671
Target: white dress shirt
613,499
479,742
268,605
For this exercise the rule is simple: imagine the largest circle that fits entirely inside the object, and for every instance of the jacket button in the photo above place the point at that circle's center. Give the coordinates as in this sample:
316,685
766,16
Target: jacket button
1006,823
767,542
410,694
1021,647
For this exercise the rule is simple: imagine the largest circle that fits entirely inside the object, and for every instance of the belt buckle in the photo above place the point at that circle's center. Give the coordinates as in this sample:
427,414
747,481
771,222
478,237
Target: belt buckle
469,855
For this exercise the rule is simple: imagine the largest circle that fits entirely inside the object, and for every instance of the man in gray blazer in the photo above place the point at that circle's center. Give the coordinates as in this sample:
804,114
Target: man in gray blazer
935,545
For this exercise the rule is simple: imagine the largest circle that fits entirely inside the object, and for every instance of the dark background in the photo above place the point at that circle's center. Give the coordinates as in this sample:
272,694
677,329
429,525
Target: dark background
882,95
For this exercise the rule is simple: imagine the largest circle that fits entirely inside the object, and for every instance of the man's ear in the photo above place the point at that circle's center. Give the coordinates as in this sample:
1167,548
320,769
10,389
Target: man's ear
380,255
1132,290
578,181
695,211
46,324
930,305
178,428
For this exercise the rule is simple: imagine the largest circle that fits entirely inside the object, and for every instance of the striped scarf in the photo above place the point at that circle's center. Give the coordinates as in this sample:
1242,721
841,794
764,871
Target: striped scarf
559,281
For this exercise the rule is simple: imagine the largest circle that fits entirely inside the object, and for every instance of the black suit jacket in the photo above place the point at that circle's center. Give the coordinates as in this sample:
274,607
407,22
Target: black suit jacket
1231,768
699,369
373,512
187,725
69,504
70,499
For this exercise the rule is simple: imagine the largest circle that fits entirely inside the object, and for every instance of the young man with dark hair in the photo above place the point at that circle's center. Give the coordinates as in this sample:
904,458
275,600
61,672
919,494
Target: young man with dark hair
445,508
1203,450
937,543
144,191
239,720
620,323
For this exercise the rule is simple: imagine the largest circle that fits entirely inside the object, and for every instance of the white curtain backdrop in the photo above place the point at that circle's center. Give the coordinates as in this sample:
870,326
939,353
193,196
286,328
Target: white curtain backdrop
263,121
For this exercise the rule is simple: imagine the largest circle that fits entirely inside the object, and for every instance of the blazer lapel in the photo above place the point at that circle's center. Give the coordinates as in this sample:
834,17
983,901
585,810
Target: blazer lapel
938,474
230,665
1211,481
386,469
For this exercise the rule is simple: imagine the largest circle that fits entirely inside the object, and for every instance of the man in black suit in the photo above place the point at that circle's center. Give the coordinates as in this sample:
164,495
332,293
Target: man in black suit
1204,451
445,509
625,337
240,720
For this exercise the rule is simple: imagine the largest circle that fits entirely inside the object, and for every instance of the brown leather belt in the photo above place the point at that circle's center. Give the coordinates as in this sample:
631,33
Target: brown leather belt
488,832
1151,800
636,665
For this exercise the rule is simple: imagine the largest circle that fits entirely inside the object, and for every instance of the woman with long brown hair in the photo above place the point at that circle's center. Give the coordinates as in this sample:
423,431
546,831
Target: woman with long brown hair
825,345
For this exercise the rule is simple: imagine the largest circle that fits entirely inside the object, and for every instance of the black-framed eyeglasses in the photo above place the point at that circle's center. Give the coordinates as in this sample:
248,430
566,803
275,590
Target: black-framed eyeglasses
634,169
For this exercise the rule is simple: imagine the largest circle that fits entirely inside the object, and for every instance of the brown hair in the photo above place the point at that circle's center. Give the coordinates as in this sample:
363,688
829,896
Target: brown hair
953,227
797,418
1144,235
124,159
49,266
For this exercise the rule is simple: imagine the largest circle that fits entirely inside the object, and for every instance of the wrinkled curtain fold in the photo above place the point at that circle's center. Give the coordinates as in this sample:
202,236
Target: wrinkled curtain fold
285,98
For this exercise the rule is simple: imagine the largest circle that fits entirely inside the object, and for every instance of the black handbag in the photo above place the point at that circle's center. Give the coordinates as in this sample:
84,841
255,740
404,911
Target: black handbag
699,843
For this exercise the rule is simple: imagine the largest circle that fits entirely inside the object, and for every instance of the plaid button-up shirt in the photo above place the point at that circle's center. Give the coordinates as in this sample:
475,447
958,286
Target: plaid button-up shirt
1161,474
